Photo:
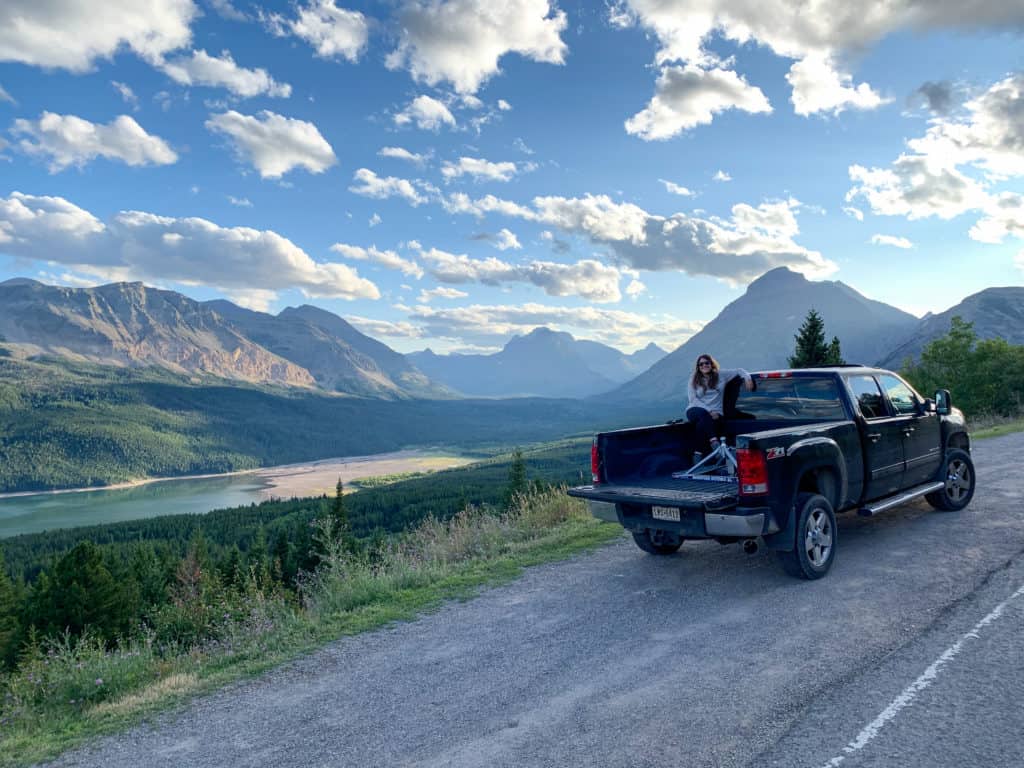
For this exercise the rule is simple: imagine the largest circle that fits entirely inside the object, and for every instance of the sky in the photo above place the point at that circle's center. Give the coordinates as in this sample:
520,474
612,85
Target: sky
450,174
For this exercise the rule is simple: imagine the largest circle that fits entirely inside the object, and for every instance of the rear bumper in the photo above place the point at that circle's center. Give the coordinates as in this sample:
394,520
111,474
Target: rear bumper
740,522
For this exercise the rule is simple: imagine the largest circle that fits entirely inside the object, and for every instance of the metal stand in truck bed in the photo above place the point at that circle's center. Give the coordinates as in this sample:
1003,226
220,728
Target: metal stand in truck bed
718,466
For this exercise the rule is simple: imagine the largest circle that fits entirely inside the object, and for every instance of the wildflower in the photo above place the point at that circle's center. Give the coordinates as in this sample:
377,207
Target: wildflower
99,681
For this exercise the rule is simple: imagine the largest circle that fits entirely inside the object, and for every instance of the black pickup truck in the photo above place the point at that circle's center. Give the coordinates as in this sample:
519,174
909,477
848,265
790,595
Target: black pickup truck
803,445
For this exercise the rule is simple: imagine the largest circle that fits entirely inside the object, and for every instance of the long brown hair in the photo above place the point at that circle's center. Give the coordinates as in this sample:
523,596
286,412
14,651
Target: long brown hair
712,378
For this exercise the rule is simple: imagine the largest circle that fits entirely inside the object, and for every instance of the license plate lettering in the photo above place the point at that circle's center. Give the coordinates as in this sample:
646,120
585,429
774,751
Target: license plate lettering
665,513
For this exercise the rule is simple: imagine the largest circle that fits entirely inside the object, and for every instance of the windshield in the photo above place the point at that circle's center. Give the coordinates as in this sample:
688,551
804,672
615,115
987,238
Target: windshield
791,398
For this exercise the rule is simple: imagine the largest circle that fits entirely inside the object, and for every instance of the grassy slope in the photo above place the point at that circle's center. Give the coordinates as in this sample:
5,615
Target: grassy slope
75,693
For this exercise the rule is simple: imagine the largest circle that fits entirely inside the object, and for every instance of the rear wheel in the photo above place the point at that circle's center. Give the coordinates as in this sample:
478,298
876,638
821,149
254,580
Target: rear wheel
815,539
656,542
958,476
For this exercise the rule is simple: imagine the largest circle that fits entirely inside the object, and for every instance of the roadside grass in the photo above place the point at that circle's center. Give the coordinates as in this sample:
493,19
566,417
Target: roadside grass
70,690
994,426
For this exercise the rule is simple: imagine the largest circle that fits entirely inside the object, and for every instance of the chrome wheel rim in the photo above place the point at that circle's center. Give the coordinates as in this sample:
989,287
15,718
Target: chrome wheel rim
818,538
958,480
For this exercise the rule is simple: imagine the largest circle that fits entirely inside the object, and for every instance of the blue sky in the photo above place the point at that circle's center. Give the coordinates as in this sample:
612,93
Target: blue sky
449,174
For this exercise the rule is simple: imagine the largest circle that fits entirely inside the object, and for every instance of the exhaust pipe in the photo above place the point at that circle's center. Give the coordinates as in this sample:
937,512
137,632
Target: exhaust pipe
750,546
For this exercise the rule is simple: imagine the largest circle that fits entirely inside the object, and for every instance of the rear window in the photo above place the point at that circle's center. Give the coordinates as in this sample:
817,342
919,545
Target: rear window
791,399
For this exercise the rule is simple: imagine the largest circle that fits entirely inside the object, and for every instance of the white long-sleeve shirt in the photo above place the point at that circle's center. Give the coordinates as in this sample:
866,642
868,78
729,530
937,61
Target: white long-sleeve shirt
711,399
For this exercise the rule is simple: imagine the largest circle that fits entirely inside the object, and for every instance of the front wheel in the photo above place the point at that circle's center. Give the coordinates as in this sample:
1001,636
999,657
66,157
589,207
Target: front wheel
958,476
815,541
656,542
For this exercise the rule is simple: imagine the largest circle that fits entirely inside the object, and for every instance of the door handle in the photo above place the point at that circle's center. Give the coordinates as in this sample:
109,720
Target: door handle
874,437
908,430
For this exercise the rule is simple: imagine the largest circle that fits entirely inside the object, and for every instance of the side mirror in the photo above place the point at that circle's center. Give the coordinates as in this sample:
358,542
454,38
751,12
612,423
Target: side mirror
943,403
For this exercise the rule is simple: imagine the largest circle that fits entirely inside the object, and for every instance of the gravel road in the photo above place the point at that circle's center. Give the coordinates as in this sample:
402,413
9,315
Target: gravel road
706,658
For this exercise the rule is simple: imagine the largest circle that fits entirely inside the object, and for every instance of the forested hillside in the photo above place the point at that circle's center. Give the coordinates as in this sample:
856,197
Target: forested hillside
77,425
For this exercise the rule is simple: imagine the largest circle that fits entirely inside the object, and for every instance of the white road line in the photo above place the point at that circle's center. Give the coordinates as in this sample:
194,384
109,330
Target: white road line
910,692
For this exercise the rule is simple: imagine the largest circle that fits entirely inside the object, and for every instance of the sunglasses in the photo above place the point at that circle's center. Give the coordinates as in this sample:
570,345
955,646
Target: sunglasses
704,362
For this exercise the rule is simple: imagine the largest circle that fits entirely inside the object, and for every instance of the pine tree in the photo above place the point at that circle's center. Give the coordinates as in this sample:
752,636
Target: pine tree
811,349
9,624
80,593
516,477
339,515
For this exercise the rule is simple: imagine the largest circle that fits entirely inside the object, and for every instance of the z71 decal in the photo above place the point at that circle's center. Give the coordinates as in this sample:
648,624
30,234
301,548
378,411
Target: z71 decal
775,453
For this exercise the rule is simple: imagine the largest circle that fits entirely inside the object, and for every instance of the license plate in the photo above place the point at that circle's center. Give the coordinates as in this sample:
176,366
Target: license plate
665,513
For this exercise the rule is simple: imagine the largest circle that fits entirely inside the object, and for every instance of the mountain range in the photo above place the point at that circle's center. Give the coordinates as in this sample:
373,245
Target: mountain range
130,324
757,331
543,363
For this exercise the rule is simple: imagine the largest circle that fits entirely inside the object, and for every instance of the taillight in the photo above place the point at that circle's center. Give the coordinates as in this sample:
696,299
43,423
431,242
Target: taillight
752,469
595,463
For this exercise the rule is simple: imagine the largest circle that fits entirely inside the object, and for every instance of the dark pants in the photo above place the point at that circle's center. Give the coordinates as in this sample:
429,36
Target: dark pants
704,427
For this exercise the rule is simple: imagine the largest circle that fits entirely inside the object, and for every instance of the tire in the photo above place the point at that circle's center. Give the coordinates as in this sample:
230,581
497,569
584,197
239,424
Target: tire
958,475
655,542
814,544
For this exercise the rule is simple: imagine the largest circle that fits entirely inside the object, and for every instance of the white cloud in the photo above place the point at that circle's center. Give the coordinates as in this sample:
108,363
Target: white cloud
596,215
588,279
485,325
855,213
479,169
375,220
5,96
275,144
815,36
369,184
143,246
386,329
895,242
503,105
222,72
1004,217
241,202
462,41
126,93
388,259
332,31
956,166
226,10
427,112
70,140
818,87
522,146
721,175
73,34
441,293
507,239
635,289
399,153
686,97
459,202
676,189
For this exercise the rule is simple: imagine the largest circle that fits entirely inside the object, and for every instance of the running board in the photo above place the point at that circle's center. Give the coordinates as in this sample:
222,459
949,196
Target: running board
895,501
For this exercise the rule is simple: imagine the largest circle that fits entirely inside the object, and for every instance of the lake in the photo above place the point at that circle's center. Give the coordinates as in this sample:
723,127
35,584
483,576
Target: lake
33,513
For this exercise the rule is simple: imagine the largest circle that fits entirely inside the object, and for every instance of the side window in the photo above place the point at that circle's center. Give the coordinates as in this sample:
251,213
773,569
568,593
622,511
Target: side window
867,394
899,394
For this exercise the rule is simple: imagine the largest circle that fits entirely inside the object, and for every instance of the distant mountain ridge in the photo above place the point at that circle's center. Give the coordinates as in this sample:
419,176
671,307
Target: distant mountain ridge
757,330
130,324
997,313
542,363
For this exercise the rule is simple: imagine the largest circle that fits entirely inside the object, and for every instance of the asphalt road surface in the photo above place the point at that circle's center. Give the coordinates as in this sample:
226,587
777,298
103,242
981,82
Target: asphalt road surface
910,653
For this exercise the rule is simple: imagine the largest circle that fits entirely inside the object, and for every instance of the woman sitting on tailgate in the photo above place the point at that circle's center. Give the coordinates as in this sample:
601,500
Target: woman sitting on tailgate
705,406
